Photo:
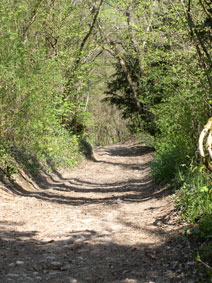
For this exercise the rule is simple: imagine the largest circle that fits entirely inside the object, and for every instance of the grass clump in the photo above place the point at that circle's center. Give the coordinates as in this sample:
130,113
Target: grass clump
194,201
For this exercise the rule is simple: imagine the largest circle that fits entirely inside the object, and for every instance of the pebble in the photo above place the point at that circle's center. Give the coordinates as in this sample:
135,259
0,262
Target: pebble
35,273
108,240
169,272
106,232
50,257
80,238
66,267
56,263
30,279
12,275
191,262
19,262
52,273
11,264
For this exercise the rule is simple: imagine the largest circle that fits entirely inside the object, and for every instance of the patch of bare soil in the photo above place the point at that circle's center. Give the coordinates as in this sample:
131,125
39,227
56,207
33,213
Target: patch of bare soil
105,221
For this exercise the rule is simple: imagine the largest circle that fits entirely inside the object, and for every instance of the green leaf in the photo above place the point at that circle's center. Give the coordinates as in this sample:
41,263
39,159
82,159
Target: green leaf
204,189
198,257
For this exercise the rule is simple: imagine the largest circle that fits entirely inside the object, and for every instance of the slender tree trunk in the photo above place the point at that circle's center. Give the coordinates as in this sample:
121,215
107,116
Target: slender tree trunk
82,46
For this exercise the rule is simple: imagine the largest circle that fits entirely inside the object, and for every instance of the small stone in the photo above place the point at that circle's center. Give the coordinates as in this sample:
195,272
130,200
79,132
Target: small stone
105,232
108,240
191,262
50,257
19,262
169,272
13,275
80,239
12,264
30,279
35,273
66,267
53,273
56,264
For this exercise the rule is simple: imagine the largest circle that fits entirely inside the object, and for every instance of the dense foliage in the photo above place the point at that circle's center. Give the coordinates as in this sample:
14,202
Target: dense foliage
62,61
47,55
162,83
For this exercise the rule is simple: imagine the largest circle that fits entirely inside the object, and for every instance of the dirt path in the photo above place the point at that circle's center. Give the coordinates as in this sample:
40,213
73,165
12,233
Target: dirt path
103,222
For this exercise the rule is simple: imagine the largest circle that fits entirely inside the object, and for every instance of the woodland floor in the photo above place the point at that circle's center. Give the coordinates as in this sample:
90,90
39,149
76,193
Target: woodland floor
105,221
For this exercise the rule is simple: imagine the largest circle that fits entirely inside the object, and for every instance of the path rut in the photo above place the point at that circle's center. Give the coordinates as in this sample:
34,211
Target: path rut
105,221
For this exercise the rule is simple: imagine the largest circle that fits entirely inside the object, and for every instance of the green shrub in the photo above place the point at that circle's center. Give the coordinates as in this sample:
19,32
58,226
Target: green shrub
168,159
194,200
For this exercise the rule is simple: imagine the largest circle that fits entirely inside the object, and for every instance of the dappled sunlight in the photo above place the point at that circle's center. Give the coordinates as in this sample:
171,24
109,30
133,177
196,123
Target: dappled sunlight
102,222
86,256
86,189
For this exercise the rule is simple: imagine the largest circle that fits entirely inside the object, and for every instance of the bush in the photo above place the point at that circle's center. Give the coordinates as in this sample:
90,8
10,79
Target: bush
194,200
168,159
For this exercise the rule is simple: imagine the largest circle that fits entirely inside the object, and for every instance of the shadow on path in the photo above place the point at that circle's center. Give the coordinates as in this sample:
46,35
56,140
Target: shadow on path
132,190
87,256
125,151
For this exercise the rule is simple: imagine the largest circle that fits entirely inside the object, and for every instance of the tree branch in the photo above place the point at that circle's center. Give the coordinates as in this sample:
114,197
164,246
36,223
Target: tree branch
85,39
32,18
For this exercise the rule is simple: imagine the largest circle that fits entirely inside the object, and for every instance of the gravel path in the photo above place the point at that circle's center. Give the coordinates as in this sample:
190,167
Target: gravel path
105,221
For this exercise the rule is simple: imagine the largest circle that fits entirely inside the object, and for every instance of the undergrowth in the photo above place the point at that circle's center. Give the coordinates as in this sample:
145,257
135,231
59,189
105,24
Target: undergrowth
194,200
193,197
59,150
168,159
194,203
